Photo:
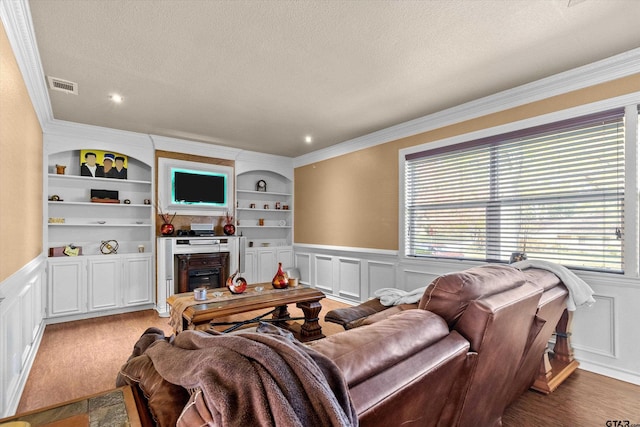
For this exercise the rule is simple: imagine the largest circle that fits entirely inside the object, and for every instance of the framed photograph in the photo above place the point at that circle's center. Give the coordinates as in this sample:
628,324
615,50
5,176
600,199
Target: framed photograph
103,164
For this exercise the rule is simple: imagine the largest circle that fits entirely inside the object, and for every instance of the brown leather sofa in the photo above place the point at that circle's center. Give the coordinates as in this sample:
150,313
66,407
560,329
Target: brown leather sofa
457,358
506,316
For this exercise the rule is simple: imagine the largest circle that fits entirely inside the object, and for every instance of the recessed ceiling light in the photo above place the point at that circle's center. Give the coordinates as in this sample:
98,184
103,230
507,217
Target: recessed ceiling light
116,98
308,139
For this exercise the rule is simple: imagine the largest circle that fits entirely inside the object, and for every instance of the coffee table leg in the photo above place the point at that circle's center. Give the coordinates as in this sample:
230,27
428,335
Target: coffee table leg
281,312
310,329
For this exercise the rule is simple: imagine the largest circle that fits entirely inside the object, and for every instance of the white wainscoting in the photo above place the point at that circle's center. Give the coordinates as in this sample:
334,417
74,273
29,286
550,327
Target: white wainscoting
605,336
21,329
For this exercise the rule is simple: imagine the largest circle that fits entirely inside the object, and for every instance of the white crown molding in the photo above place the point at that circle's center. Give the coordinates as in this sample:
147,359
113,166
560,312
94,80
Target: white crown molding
609,69
95,133
16,18
193,147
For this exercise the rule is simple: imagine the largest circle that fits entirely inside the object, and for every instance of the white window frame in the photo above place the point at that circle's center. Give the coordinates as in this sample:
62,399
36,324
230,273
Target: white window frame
630,102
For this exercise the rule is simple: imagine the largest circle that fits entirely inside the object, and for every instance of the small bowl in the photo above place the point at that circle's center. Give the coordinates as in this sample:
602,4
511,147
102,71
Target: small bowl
259,288
217,294
102,222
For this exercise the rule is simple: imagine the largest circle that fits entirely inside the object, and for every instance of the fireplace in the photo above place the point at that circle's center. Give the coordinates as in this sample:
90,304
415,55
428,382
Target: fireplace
209,270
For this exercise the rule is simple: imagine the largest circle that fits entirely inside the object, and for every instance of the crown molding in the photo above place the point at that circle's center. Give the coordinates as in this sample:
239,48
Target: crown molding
193,147
16,18
608,69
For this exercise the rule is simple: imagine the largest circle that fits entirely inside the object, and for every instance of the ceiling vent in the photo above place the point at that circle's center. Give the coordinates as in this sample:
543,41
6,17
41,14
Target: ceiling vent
62,85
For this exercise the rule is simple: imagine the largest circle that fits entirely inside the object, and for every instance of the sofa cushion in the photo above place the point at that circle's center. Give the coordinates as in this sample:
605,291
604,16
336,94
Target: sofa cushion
449,295
381,315
368,350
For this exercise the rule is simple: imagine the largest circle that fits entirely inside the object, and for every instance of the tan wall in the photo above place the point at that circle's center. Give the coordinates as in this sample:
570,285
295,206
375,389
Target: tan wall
352,200
20,168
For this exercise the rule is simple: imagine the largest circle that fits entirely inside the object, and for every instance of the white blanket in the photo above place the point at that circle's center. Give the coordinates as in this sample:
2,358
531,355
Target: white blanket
392,296
580,293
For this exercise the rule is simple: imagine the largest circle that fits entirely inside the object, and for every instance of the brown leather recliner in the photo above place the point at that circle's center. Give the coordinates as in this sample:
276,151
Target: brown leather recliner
507,317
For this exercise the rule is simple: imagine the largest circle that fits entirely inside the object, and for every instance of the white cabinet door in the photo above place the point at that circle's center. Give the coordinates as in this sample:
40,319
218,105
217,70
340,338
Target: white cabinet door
65,287
285,256
267,265
104,280
137,281
250,266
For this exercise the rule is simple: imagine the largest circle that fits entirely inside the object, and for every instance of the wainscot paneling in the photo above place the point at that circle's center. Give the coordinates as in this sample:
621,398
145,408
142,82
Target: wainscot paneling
349,282
381,275
21,329
302,261
323,273
594,327
605,337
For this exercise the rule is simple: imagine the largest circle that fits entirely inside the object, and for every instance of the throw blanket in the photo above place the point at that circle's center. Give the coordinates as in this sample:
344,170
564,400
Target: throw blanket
391,296
254,379
580,293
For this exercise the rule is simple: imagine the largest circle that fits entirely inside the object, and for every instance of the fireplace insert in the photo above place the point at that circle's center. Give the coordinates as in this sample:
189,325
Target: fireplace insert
208,270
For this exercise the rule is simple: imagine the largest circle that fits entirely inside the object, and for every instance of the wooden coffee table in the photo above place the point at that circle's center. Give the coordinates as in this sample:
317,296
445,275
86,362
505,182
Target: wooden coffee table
221,303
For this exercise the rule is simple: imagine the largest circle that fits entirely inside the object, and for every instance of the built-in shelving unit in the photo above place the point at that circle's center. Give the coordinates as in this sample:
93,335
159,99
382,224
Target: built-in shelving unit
76,219
265,217
93,282
269,243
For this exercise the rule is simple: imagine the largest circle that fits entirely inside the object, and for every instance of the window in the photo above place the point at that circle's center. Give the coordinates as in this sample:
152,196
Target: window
555,192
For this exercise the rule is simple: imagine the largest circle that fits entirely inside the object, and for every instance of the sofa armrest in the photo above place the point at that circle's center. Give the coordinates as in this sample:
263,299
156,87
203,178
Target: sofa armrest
371,349
348,317
366,313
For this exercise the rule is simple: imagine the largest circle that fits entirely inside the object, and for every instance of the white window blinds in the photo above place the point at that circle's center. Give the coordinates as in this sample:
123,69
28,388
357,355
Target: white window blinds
555,192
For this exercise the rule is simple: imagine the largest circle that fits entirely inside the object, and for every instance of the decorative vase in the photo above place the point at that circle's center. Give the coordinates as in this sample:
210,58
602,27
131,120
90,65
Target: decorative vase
237,286
167,229
229,229
280,279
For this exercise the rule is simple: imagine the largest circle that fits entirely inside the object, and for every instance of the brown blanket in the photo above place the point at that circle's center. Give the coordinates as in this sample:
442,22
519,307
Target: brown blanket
256,379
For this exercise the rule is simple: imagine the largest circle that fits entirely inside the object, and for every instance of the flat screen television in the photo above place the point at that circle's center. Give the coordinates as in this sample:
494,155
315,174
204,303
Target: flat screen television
199,188
194,188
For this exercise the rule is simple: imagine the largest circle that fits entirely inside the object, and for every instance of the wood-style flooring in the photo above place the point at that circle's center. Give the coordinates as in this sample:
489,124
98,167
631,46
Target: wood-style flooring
80,358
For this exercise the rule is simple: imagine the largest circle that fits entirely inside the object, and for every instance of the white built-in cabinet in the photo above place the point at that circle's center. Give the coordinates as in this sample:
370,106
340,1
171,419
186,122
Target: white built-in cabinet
265,218
273,206
90,284
261,264
95,283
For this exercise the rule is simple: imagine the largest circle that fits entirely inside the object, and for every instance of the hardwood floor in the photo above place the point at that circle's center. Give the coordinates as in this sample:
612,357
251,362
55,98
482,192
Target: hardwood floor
80,358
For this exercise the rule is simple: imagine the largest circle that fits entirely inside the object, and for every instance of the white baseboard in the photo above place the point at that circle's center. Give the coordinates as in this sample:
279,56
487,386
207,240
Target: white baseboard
618,374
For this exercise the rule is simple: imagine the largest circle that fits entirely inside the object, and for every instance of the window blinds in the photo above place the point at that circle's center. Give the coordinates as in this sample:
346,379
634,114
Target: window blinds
555,192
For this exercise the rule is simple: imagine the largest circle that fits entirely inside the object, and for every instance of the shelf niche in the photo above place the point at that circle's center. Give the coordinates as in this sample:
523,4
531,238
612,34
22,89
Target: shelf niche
278,223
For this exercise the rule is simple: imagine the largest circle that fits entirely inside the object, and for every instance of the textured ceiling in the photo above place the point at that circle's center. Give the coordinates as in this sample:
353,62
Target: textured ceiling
260,75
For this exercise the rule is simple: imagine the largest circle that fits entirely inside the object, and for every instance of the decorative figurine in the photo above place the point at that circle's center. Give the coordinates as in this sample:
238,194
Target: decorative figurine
239,286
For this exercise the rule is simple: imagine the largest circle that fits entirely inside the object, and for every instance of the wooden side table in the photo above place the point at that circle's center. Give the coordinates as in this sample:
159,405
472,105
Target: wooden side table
557,366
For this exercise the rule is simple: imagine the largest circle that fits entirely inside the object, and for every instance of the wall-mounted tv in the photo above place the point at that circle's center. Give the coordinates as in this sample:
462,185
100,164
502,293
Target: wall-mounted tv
194,188
190,187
